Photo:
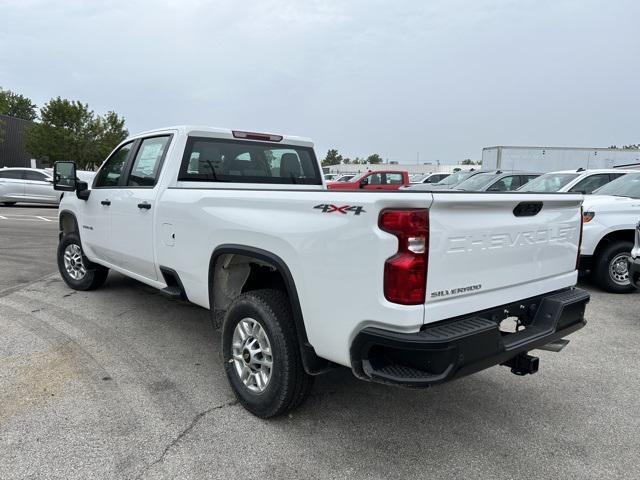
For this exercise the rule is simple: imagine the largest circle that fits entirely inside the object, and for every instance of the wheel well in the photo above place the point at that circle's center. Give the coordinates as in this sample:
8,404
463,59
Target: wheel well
68,223
617,236
234,274
235,269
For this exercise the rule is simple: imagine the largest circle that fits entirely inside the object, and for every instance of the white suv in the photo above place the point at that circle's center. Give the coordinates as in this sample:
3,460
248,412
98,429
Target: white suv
577,181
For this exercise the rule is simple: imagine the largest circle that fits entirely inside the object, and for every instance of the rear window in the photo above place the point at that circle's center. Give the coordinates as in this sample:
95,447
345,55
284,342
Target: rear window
218,160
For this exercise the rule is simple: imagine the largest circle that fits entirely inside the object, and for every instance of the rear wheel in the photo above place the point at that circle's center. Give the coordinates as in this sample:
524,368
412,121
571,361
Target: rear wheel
611,269
261,353
76,270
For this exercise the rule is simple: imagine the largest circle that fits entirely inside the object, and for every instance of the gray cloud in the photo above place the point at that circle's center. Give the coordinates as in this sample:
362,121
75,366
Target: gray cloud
443,78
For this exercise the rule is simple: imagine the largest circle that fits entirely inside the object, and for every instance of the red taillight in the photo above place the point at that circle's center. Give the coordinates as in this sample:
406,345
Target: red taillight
405,274
266,137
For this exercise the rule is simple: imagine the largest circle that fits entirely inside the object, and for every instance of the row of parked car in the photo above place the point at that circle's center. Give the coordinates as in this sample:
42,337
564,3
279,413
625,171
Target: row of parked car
611,208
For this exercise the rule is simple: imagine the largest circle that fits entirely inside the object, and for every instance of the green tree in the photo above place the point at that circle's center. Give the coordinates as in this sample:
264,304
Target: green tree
332,158
467,161
69,130
374,159
16,105
346,160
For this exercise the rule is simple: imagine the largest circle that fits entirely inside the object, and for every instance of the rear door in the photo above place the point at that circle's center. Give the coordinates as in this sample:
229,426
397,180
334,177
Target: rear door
38,187
489,249
132,209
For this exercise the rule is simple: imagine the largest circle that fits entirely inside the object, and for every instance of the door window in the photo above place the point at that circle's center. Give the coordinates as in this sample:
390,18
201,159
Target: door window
505,184
375,179
146,166
394,179
13,174
590,183
35,176
110,173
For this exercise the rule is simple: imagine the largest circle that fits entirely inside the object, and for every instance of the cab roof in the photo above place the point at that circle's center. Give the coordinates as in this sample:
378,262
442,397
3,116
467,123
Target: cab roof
228,133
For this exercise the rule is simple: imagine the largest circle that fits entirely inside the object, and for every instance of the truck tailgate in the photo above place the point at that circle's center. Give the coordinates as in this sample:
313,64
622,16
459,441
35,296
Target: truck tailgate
488,249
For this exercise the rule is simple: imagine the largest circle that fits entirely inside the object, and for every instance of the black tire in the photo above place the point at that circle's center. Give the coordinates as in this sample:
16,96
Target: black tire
602,274
289,385
95,275
8,204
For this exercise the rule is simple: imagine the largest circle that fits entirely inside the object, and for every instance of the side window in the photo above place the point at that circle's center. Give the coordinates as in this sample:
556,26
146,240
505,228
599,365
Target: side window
394,179
110,173
375,179
589,184
146,165
505,184
613,176
37,176
437,178
12,174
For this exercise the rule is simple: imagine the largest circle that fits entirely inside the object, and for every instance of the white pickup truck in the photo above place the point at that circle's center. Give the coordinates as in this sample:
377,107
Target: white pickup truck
610,218
407,288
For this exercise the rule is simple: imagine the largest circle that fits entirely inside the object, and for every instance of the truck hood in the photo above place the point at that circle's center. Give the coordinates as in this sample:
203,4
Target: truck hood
607,202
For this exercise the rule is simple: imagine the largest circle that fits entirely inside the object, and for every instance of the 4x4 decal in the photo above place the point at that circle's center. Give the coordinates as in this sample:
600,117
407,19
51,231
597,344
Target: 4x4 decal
345,209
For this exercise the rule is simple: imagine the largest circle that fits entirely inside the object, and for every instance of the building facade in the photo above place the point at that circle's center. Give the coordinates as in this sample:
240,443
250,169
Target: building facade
12,150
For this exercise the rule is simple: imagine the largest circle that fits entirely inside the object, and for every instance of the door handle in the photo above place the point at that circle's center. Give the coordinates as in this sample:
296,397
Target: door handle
106,202
144,205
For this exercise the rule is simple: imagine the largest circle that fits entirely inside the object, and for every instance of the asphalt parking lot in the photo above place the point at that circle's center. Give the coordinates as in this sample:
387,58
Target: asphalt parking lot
123,383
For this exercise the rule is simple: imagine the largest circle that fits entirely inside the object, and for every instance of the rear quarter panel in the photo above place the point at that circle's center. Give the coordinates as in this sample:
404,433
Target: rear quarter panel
336,259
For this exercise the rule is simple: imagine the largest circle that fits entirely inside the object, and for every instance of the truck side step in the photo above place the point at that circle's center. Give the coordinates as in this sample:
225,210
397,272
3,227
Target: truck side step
174,288
173,292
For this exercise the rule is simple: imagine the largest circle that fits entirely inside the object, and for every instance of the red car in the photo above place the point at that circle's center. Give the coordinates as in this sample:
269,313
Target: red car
378,180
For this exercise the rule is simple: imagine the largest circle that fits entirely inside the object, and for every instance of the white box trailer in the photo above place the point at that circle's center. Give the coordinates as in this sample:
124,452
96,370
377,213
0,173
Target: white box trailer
549,159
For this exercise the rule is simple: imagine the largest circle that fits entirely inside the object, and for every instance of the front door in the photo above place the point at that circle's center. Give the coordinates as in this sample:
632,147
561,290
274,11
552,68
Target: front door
95,230
132,212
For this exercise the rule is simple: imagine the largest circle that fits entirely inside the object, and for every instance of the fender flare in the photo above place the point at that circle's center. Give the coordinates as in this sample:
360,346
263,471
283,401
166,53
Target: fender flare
312,363
61,216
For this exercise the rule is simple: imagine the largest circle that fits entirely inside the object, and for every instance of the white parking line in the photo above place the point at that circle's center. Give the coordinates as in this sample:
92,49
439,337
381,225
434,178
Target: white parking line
28,218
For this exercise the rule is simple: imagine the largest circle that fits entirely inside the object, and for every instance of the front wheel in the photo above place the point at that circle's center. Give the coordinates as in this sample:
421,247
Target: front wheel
261,354
611,270
76,270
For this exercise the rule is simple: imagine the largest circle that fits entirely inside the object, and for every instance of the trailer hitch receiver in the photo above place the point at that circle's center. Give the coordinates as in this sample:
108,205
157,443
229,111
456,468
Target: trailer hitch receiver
523,364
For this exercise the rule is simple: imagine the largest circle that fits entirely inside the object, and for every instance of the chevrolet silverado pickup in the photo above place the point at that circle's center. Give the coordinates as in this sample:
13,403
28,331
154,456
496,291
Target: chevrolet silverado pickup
610,218
425,287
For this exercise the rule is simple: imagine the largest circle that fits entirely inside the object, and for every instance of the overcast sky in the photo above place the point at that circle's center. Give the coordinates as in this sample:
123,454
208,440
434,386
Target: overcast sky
443,78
